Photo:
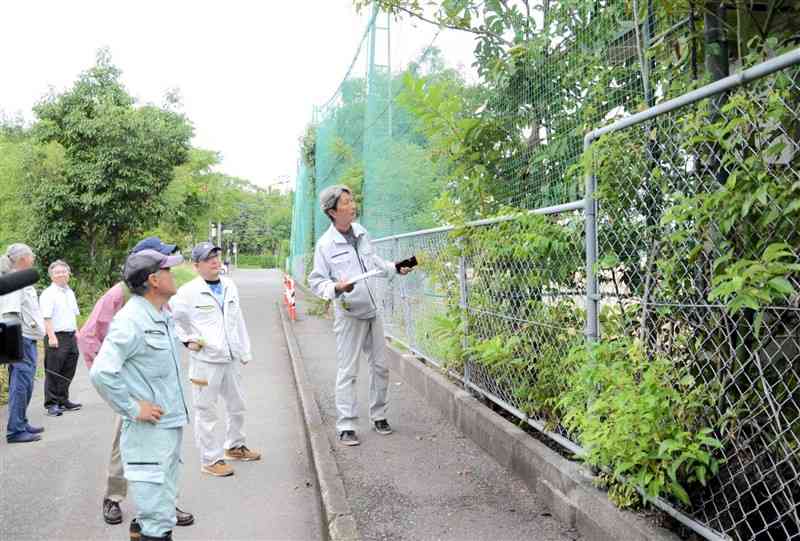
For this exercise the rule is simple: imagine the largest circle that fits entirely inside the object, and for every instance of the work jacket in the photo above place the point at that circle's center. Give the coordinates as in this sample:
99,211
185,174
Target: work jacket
139,360
335,259
219,328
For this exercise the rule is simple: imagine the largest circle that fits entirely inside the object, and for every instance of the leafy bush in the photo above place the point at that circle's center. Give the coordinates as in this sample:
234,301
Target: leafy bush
641,417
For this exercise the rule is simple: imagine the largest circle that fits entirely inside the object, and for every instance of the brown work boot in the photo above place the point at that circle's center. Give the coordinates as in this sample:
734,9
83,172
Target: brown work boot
242,453
218,469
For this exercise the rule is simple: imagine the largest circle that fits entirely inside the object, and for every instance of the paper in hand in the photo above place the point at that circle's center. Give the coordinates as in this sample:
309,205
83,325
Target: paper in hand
409,263
364,276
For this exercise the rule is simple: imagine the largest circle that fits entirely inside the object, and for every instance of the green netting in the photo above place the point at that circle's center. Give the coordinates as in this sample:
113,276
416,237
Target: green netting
575,77
301,241
400,181
569,78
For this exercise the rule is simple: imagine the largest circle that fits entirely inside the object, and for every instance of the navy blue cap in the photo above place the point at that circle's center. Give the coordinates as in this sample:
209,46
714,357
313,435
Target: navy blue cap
204,250
154,243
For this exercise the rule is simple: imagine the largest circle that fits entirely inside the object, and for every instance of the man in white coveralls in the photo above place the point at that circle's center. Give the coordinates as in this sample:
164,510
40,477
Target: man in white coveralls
211,324
343,253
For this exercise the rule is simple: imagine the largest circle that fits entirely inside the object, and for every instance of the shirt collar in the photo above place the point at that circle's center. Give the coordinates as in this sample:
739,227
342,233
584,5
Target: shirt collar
338,237
149,309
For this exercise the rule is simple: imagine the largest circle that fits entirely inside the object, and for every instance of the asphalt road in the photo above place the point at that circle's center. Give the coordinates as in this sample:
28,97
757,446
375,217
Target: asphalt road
425,481
53,489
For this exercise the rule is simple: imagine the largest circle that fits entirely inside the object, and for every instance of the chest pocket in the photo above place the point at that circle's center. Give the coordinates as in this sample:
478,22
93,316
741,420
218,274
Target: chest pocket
159,360
231,307
341,260
207,310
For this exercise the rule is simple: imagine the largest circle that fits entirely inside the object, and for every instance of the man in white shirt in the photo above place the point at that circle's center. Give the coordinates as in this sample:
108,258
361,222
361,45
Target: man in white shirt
59,308
23,306
209,321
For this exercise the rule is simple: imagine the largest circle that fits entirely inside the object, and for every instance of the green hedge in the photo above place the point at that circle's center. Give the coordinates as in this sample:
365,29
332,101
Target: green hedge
259,261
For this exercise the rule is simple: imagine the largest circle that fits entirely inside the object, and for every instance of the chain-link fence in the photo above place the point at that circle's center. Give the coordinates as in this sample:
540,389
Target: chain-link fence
699,246
686,247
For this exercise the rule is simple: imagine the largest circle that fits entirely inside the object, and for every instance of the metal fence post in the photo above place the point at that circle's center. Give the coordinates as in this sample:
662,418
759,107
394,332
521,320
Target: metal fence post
590,214
464,304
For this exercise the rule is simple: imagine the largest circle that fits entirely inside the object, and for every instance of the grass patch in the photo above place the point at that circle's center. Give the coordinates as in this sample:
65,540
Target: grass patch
183,273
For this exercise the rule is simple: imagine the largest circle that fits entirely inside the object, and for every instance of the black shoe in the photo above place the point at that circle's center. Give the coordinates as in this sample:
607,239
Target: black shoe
34,429
112,514
183,518
135,531
382,427
70,406
23,437
54,410
348,437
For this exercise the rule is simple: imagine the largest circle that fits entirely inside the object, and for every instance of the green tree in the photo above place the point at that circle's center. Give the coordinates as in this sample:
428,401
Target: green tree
118,158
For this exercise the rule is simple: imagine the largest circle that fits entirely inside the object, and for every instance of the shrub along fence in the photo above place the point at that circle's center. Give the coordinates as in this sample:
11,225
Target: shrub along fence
680,269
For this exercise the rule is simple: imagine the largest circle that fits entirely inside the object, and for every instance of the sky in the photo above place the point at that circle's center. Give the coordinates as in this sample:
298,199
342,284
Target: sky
248,72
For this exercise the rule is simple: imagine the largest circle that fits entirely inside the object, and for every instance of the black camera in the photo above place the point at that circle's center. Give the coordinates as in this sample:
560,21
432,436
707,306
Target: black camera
11,330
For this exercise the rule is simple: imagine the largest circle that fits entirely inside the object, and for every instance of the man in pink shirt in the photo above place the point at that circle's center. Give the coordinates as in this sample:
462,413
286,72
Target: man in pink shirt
90,338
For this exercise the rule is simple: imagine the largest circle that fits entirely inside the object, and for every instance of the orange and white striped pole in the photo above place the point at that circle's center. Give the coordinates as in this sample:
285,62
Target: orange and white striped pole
289,296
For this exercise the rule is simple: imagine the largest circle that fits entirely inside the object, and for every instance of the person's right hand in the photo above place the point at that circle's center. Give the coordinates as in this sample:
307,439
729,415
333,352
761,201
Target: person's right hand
342,285
52,342
148,412
194,346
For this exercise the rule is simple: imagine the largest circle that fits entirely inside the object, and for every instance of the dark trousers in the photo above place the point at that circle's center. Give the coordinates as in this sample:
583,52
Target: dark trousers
20,389
60,364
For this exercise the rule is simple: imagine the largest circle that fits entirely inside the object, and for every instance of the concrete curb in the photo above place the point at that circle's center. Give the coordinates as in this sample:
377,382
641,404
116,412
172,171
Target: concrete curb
565,487
339,519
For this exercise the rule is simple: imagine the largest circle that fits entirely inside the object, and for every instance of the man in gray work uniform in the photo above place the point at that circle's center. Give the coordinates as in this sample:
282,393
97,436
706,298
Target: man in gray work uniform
343,253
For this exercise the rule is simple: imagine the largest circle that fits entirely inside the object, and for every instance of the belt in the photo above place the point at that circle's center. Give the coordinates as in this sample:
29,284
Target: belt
65,332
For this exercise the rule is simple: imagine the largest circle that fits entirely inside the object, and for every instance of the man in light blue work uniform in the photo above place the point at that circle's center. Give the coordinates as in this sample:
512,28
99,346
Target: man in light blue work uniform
137,371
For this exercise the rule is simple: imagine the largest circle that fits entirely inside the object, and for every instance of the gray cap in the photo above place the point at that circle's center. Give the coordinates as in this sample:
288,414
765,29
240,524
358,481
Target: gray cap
203,251
140,265
329,197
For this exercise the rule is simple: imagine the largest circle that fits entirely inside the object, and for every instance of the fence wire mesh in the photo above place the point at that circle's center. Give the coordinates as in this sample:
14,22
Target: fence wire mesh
698,243
418,310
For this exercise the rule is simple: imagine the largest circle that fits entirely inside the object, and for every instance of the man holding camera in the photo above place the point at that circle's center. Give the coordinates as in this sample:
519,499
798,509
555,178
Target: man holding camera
22,305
